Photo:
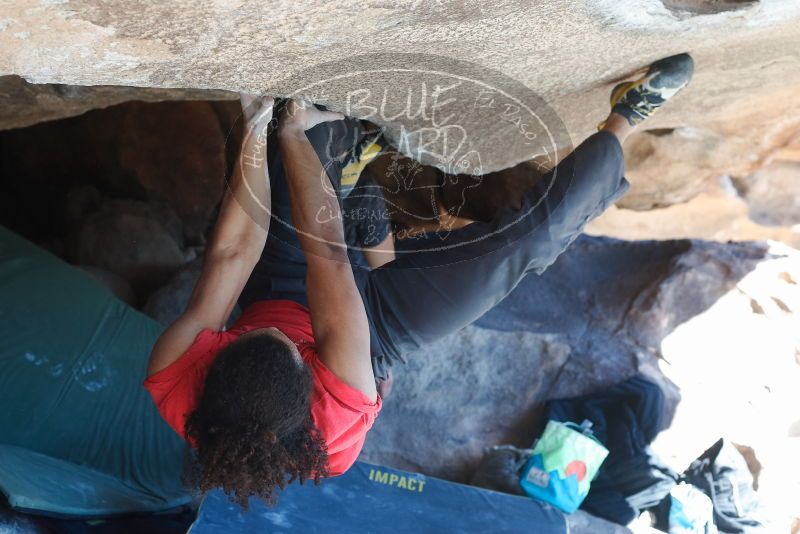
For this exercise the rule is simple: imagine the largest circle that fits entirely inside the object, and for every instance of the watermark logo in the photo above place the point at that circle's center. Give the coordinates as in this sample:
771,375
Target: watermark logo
421,149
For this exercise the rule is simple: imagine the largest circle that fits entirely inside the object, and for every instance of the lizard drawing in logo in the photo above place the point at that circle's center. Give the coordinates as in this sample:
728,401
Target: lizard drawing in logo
406,178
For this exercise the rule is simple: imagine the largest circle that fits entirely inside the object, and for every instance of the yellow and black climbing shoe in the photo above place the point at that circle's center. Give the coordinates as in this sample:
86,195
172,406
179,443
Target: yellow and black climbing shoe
639,99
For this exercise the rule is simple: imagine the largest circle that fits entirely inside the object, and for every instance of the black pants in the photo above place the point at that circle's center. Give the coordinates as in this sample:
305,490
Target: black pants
446,281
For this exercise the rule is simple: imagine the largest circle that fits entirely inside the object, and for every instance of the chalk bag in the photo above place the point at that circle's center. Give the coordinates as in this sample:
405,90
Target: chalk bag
565,460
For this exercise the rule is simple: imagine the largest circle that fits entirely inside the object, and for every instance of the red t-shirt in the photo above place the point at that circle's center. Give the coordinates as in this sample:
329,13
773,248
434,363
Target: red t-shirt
342,413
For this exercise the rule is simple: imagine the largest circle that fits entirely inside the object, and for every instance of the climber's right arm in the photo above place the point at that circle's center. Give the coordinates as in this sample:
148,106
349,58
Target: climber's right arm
236,244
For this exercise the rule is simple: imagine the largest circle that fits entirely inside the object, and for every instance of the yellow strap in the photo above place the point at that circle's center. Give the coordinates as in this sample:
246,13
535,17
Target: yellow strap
351,172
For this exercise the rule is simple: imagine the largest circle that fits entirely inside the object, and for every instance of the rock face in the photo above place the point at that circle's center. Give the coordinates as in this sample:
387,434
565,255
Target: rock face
25,104
671,166
743,102
173,153
114,283
168,302
760,206
718,213
138,241
773,194
604,311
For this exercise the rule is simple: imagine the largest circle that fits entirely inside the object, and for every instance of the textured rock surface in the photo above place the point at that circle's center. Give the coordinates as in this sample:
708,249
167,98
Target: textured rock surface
773,194
744,100
718,213
118,286
175,152
671,166
138,241
25,104
169,301
760,206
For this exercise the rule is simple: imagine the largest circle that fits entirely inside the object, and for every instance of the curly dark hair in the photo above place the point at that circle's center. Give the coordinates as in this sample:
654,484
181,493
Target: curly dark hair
252,427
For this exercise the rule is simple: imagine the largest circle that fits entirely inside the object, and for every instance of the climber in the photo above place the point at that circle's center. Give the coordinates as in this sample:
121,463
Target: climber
289,391
258,403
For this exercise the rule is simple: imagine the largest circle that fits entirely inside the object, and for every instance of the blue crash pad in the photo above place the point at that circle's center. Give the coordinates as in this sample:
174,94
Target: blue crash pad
79,436
374,499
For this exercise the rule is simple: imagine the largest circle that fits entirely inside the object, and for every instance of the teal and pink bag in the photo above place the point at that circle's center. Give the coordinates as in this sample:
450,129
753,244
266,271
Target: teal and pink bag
565,460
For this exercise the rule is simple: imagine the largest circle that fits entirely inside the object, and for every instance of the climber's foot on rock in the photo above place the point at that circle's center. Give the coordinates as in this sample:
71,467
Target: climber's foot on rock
637,100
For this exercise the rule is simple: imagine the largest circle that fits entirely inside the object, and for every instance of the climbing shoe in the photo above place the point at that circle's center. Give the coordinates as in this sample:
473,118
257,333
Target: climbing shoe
639,99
